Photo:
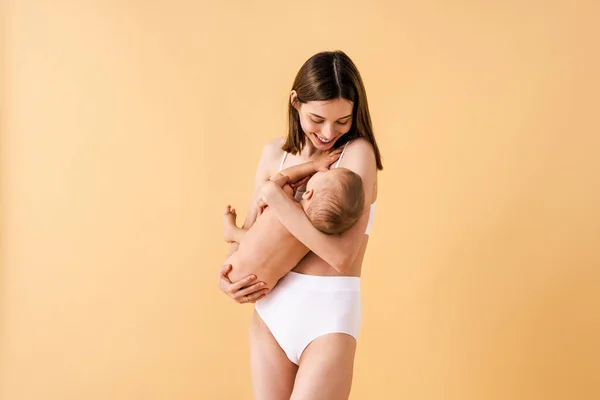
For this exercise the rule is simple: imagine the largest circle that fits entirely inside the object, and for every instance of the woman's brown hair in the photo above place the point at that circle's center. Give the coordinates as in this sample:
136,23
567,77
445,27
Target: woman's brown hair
331,75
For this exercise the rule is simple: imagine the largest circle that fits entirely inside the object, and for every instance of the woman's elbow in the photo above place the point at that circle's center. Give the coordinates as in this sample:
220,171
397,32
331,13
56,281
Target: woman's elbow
342,264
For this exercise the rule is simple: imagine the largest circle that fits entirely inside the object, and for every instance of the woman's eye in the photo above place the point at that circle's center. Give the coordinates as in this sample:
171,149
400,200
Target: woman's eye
316,122
344,123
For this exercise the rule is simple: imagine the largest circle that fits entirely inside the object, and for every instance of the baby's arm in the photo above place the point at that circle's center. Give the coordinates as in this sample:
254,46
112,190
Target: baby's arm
233,234
320,162
339,251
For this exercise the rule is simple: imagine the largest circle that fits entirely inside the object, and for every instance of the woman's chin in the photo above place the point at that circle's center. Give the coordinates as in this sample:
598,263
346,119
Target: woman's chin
320,145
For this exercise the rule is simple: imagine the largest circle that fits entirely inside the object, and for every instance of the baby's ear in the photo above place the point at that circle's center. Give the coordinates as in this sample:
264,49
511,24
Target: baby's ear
308,194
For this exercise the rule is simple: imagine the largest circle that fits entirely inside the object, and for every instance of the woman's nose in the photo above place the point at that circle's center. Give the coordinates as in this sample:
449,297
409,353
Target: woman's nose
328,131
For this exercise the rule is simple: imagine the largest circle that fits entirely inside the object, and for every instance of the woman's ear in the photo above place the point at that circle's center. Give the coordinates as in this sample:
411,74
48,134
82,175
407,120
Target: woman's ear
308,194
294,99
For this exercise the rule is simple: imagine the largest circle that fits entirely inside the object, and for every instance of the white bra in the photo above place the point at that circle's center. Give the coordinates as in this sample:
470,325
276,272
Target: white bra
371,209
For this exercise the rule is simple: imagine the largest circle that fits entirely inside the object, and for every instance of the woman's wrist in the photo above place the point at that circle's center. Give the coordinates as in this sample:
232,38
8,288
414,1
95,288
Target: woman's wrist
275,196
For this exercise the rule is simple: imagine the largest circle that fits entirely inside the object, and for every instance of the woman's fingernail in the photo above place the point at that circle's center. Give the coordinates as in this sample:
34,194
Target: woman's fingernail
253,277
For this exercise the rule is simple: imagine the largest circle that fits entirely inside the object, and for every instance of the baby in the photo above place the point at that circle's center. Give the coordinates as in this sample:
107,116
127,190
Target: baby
333,202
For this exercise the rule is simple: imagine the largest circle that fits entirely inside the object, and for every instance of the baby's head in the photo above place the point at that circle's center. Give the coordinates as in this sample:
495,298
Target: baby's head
334,200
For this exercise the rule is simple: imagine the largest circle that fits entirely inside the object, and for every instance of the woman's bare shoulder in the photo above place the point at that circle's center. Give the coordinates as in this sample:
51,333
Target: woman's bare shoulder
272,148
269,159
360,152
362,145
272,153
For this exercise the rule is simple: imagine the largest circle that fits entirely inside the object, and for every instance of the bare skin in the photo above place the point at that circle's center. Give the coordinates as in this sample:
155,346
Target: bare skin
326,365
231,232
267,250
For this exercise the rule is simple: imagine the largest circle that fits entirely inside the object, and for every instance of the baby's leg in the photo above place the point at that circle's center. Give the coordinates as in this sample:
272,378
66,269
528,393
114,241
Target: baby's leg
231,233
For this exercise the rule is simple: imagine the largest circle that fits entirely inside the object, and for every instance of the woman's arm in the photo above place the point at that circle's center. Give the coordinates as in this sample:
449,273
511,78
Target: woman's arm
337,250
263,172
247,289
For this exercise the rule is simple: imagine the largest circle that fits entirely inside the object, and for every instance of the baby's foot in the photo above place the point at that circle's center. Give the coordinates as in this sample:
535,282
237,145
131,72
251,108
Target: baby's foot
229,225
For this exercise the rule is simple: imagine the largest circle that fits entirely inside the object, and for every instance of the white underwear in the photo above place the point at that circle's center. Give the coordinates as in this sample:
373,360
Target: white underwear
300,308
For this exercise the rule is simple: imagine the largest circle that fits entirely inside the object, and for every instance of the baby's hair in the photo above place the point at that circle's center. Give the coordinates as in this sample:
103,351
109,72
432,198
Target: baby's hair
336,208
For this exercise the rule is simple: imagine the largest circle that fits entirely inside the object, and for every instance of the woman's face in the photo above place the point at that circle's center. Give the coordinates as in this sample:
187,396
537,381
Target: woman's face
324,122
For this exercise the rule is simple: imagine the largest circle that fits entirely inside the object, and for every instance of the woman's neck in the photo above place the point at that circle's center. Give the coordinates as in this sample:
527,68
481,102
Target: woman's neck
308,150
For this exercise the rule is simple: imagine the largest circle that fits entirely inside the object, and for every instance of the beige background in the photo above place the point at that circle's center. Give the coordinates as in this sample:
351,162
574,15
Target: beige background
127,126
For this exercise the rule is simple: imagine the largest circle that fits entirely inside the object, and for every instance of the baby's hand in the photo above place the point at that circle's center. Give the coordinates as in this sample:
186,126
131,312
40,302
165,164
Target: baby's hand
322,161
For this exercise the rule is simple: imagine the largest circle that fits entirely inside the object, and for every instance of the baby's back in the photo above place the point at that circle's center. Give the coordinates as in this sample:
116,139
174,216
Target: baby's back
268,251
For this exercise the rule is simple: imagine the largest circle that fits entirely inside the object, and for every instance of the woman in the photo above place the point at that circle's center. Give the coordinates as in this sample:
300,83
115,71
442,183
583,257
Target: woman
303,334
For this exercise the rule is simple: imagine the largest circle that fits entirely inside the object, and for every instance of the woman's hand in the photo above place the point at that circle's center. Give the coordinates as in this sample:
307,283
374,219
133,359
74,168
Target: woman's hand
242,291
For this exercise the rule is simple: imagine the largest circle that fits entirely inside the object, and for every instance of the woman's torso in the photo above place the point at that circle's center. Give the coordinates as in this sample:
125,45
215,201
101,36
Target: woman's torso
312,264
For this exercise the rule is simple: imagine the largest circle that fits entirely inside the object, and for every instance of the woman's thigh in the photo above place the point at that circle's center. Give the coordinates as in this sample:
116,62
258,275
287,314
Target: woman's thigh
273,373
326,368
